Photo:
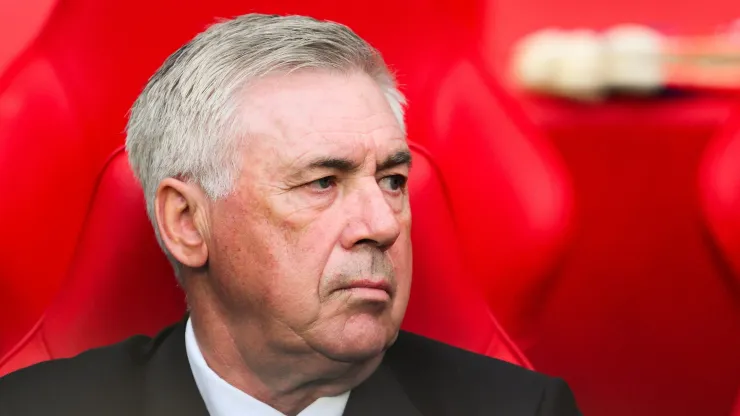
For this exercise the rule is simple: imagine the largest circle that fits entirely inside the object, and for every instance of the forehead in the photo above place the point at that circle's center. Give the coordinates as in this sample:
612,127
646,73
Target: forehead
306,109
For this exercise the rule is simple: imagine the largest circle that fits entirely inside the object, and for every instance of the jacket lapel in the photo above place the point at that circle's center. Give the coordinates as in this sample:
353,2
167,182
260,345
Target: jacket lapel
381,394
169,385
170,388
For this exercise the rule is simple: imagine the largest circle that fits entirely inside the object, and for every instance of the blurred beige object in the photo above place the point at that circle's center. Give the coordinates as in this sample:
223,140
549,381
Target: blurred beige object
536,56
634,58
563,63
630,58
579,72
703,62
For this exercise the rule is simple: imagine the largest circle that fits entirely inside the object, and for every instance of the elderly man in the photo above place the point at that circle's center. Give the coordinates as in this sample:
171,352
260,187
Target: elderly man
273,158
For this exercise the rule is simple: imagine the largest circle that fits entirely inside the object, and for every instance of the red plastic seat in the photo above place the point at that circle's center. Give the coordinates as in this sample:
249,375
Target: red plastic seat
510,193
121,284
719,189
63,104
719,184
20,23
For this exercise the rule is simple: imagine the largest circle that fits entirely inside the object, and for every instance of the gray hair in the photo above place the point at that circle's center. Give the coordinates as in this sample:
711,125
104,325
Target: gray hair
185,123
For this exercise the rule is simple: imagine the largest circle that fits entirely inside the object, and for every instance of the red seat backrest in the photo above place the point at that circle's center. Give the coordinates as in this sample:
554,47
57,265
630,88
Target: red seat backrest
20,23
121,284
719,186
510,194
719,190
118,275
63,104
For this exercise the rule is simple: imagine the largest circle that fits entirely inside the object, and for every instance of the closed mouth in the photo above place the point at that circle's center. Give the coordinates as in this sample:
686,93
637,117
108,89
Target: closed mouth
369,284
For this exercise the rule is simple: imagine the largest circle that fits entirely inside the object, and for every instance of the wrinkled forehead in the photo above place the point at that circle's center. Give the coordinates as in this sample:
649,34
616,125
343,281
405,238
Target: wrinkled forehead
318,106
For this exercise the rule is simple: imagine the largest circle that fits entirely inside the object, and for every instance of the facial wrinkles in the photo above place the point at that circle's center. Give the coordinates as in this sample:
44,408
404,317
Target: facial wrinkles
302,222
282,137
352,145
275,108
296,210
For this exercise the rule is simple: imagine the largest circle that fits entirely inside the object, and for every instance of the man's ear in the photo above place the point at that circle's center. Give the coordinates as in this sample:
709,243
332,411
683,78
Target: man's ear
182,217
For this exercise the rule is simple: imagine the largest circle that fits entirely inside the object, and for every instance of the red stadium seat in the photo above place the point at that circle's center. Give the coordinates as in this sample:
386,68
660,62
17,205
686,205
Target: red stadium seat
121,284
510,194
719,183
63,104
719,189
20,23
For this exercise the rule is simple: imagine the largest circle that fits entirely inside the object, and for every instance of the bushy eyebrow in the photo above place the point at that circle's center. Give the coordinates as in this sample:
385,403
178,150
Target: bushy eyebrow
401,157
342,165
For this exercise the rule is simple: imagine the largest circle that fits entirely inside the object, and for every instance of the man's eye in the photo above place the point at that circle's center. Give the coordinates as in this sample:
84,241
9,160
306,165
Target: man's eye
323,183
394,182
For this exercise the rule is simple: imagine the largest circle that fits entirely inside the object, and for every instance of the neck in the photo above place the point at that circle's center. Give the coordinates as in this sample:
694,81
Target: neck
287,379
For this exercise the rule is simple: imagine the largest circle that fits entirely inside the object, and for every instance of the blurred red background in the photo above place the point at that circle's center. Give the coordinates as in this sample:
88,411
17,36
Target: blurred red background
639,306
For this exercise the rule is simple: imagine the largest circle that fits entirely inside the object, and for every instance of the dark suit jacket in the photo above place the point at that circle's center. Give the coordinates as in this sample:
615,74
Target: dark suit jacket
144,376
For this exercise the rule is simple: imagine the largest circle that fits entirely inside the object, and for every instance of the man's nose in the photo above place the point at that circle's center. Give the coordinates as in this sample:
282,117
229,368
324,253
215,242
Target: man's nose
371,219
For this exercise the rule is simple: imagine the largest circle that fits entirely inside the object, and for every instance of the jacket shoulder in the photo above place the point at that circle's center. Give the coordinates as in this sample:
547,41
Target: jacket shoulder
93,381
449,380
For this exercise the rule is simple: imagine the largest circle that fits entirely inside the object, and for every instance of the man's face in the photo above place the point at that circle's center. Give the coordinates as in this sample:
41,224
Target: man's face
313,247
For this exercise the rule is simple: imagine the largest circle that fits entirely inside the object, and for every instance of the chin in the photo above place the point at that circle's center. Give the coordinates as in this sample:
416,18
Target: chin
360,338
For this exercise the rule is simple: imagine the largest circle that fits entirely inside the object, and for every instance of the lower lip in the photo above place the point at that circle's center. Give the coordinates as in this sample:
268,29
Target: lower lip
370,294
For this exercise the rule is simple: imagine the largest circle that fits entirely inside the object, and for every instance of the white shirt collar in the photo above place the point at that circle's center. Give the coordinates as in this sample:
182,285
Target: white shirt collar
223,399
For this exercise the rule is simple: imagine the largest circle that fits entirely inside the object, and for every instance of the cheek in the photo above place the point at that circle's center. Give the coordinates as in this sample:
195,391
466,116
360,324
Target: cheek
241,258
401,254
262,272
307,245
302,257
